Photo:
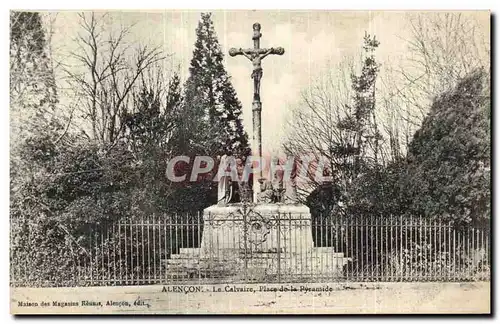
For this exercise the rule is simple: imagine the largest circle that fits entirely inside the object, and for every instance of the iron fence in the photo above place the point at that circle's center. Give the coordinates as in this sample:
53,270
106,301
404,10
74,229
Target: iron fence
283,248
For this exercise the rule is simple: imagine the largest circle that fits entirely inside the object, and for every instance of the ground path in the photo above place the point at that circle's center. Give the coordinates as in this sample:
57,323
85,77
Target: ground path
335,298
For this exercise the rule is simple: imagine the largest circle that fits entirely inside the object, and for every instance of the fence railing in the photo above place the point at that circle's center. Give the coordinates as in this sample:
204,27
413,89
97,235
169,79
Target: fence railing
167,249
407,248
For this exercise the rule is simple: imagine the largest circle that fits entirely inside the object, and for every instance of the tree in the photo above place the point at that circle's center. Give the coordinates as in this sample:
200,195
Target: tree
33,94
109,73
62,190
211,119
448,174
150,130
337,123
379,191
361,121
443,48
314,132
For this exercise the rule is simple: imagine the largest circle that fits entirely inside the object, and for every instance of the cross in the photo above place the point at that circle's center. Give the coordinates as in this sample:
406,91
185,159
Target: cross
256,55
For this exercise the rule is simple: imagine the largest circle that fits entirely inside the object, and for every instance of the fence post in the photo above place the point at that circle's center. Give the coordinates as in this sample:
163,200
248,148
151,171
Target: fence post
401,264
389,256
434,250
412,226
448,260
165,249
171,247
355,227
456,253
136,245
91,262
199,242
426,254
420,250
153,230
279,248
345,226
320,245
468,254
351,238
245,237
372,249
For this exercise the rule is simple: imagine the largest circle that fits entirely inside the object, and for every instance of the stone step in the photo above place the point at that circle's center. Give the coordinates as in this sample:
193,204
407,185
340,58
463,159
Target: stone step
185,256
327,255
183,265
196,251
325,249
201,265
189,251
199,260
202,270
178,258
198,268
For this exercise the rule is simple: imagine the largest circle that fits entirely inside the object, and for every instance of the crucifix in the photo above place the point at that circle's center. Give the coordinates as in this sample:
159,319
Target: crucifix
256,55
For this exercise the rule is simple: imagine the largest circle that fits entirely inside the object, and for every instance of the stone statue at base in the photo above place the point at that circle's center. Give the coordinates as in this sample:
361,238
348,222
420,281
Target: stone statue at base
266,194
244,192
224,189
280,190
290,196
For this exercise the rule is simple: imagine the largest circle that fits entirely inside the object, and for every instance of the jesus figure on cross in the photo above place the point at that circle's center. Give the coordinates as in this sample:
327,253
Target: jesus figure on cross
256,55
256,59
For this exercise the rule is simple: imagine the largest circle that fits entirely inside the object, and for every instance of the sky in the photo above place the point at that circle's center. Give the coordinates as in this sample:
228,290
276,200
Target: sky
314,41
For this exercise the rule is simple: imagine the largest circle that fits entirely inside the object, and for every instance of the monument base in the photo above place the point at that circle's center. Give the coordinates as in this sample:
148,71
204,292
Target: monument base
256,243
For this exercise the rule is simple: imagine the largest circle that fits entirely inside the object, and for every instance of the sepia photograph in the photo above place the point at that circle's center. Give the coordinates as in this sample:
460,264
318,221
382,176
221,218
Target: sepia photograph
250,162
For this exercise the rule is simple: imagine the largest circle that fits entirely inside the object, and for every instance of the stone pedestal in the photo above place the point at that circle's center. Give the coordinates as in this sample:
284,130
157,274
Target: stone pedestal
258,229
257,243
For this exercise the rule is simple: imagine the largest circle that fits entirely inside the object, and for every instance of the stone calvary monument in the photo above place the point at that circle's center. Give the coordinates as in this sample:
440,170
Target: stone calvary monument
260,240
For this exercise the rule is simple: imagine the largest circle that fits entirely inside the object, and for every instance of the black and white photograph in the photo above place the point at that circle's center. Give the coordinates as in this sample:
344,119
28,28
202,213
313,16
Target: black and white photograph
250,162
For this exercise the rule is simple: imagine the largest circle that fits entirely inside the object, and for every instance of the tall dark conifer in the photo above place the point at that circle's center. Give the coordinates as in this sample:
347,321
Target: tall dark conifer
212,112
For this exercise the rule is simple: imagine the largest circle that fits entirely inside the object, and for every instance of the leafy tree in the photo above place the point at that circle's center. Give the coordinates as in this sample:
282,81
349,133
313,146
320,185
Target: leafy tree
54,205
379,192
448,173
